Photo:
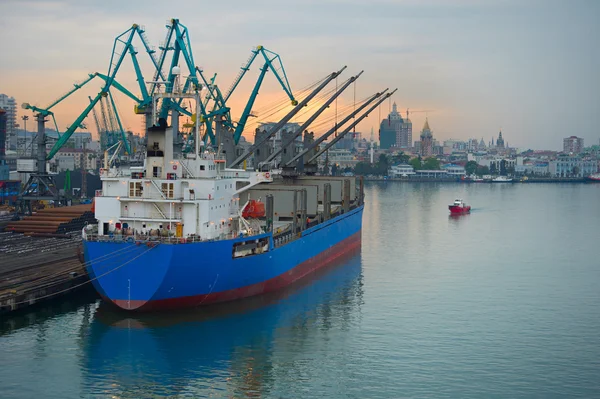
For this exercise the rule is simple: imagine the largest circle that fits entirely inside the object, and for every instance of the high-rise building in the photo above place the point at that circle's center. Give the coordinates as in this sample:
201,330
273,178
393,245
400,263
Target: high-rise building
395,131
573,145
426,149
10,106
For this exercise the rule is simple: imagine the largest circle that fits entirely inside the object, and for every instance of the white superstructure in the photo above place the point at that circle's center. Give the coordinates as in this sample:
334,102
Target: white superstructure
191,195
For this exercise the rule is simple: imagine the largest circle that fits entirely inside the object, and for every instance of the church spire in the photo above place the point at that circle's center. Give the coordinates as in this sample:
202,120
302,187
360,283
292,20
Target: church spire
426,125
394,108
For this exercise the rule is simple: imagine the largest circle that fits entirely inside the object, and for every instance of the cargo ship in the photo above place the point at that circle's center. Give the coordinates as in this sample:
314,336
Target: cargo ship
184,230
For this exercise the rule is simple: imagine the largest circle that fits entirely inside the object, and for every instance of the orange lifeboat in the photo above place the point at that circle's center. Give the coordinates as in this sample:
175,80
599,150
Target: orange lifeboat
254,209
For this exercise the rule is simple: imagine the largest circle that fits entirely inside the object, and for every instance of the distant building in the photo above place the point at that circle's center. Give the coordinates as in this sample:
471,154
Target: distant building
472,145
566,166
454,170
537,168
65,155
395,131
348,142
500,141
402,170
2,135
426,147
342,158
10,106
573,145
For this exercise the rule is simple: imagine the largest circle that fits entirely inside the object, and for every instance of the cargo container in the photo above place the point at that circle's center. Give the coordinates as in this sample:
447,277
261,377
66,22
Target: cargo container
9,191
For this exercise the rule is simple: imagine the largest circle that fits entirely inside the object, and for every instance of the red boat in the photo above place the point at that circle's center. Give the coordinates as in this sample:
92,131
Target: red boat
459,207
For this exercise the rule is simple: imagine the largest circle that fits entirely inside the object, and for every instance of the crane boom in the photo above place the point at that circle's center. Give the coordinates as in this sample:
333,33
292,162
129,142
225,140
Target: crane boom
123,136
342,134
63,139
242,72
286,118
334,129
76,87
239,129
313,117
285,84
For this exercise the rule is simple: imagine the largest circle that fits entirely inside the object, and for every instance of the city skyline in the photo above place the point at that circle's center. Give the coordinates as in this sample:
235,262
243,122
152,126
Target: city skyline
525,68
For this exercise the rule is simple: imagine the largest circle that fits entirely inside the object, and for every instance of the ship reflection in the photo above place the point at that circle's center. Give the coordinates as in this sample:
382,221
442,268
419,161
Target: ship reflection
219,350
458,217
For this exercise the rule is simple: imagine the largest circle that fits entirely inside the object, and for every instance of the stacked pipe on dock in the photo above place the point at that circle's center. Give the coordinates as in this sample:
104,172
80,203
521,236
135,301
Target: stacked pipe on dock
54,220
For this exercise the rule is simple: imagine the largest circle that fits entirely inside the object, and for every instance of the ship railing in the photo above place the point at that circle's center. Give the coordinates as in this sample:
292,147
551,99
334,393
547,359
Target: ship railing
145,238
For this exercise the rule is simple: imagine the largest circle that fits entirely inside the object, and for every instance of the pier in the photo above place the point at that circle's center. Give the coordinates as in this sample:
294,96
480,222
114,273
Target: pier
41,257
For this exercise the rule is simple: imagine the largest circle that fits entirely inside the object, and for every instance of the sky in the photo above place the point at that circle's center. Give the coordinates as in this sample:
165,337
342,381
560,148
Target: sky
528,67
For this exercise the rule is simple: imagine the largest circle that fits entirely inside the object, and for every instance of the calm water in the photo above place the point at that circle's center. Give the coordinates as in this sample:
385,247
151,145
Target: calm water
501,303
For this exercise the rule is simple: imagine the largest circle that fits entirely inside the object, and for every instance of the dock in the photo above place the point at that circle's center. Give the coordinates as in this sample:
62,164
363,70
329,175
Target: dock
41,257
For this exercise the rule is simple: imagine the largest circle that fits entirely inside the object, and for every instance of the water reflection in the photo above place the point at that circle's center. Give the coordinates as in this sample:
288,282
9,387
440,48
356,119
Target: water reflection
220,350
37,318
456,218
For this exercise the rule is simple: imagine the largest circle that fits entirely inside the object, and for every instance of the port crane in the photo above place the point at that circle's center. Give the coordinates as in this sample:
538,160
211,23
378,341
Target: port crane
41,185
220,114
123,46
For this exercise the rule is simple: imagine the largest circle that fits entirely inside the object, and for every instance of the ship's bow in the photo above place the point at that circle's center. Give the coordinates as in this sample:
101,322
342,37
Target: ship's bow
127,274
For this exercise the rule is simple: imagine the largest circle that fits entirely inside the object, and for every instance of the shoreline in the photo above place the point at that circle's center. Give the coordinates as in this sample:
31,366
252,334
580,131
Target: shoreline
530,180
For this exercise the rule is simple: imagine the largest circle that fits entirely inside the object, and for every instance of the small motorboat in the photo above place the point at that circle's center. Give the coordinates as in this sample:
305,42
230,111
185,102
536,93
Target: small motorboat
502,179
459,207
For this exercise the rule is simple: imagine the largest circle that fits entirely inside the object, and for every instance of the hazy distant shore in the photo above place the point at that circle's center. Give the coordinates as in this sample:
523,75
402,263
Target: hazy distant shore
529,180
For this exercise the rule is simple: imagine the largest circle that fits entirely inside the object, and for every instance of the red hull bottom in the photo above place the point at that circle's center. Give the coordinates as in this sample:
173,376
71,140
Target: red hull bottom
457,210
349,245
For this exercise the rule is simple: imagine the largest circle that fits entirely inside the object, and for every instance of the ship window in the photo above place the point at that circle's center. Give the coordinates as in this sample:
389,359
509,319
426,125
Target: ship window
167,190
202,167
135,189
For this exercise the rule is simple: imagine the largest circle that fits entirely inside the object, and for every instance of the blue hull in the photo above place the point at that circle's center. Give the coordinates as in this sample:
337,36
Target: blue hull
137,276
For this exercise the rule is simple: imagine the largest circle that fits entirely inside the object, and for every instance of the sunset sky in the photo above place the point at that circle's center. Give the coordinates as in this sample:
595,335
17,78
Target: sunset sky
529,67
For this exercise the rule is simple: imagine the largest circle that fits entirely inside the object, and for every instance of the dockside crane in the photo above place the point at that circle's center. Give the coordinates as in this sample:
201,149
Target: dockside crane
122,46
41,185
272,63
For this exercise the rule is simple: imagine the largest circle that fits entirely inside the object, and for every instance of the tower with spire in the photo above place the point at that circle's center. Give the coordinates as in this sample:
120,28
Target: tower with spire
395,131
426,140
500,141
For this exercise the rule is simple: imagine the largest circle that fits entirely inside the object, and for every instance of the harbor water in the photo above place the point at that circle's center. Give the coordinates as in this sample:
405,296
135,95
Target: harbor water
499,303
